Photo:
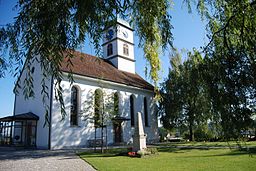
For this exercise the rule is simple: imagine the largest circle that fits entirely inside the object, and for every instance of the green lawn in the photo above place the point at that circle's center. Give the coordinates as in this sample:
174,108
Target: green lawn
176,160
210,144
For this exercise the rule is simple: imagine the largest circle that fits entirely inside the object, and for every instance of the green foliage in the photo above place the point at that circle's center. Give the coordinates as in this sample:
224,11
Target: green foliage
225,78
147,152
44,30
202,133
116,104
99,107
226,74
152,20
162,133
230,64
185,97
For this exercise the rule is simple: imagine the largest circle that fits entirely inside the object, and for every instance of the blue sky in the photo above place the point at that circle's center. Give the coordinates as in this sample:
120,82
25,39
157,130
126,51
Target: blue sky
189,32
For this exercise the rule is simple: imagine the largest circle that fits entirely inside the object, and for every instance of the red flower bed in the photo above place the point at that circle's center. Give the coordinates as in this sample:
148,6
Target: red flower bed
132,154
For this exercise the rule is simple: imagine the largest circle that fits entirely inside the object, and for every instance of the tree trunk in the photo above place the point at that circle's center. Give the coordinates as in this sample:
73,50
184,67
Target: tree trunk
191,133
191,122
255,131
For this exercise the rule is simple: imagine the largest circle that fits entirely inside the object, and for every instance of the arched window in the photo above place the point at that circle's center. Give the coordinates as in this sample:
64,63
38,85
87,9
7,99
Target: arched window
132,109
145,111
126,49
74,107
116,104
109,49
98,107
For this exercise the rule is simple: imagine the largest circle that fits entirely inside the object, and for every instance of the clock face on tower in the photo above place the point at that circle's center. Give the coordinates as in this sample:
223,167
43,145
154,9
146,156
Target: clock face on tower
125,34
110,34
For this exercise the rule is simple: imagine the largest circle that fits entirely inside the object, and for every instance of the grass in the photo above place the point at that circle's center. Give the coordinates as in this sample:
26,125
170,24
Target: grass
175,159
210,144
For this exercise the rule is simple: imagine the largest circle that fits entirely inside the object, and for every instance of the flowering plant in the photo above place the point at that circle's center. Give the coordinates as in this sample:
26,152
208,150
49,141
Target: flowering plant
132,154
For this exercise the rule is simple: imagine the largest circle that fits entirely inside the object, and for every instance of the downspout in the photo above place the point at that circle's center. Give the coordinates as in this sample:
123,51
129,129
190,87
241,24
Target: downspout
50,115
14,106
13,122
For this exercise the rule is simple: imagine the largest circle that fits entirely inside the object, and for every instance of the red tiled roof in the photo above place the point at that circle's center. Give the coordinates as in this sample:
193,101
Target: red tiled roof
91,66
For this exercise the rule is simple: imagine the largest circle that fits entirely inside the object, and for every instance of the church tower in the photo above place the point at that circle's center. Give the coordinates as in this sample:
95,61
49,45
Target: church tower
118,46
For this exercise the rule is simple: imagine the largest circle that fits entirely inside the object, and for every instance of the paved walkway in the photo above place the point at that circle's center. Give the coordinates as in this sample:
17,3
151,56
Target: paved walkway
41,160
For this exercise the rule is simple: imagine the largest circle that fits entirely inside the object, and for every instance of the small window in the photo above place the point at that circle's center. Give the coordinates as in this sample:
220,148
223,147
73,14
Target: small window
116,104
110,49
33,70
126,49
74,107
146,111
98,107
132,110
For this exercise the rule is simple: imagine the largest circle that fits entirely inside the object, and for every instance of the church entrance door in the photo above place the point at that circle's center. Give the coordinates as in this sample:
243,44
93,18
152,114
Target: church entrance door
117,132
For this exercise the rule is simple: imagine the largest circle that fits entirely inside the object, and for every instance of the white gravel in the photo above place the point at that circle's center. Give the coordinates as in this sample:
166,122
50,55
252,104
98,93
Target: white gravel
41,160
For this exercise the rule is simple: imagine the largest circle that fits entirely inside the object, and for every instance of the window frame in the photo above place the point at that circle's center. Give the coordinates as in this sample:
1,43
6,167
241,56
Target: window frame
109,49
116,104
74,107
126,49
132,111
145,104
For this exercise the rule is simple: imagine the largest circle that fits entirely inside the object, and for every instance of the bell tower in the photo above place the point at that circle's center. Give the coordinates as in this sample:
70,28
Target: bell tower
118,46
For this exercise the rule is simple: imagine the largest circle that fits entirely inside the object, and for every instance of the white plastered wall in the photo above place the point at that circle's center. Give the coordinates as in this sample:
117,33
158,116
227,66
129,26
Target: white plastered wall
65,136
34,104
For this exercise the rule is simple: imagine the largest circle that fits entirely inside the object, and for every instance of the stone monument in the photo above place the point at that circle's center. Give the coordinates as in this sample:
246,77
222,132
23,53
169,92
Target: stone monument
139,137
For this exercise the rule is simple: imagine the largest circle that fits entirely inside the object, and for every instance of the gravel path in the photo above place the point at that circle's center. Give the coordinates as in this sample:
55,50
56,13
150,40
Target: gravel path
41,160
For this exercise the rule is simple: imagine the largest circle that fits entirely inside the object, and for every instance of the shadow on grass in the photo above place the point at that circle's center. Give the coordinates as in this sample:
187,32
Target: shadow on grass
123,152
232,152
225,144
107,153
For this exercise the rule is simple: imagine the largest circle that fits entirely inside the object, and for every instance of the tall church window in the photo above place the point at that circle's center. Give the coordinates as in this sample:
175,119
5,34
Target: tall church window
146,111
98,107
109,49
132,109
116,104
126,49
74,107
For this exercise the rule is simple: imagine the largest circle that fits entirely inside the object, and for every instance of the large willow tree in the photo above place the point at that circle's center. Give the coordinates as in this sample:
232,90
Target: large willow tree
229,65
47,28
44,30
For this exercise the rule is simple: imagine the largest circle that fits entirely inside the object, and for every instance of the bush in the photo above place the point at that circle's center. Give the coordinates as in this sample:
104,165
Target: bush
152,150
203,134
147,152
162,133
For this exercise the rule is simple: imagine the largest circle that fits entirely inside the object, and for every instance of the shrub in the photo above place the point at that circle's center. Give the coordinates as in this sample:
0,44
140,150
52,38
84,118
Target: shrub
147,152
152,150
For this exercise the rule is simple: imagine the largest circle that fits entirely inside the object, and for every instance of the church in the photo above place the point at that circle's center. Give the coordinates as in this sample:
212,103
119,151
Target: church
107,85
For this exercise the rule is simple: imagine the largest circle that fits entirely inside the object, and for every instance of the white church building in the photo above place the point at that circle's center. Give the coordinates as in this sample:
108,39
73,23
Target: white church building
110,77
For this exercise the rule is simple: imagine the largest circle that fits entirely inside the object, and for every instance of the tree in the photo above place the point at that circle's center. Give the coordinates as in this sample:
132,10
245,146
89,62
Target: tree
46,29
230,64
103,111
170,103
185,98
